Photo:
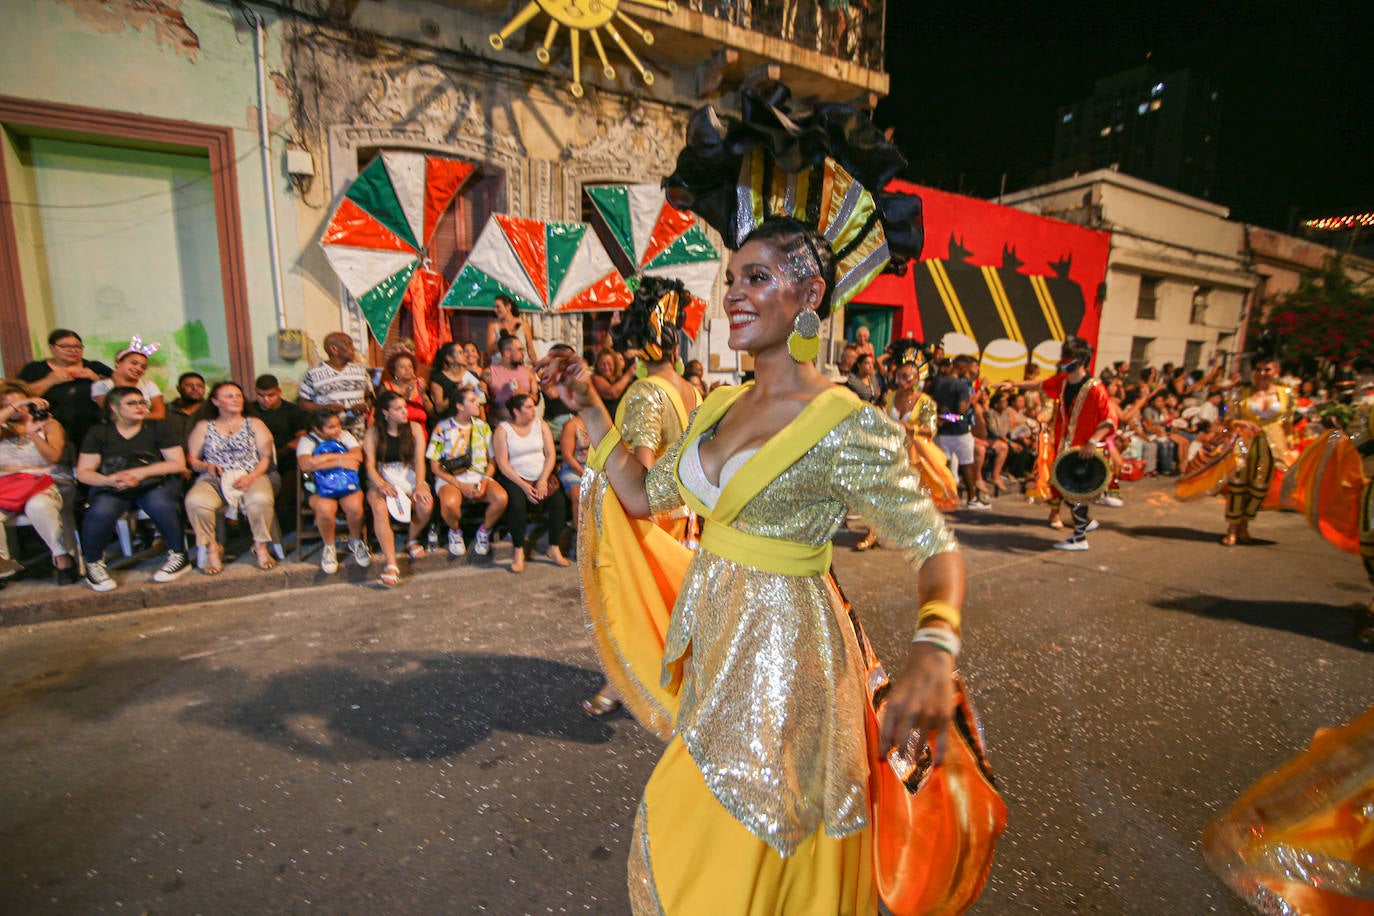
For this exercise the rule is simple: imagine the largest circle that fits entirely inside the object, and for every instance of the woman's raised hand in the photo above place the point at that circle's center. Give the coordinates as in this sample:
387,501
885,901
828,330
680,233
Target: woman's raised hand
569,377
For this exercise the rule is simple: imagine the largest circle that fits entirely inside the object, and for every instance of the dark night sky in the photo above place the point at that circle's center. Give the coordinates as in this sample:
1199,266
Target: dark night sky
976,89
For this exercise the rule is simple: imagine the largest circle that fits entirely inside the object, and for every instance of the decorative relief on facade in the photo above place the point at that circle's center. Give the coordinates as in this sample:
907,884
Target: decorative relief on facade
638,145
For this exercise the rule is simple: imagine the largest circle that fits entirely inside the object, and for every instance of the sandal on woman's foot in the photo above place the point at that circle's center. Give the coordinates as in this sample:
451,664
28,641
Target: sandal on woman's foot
557,557
517,564
214,561
1057,524
1229,540
391,576
263,553
870,540
598,706
415,550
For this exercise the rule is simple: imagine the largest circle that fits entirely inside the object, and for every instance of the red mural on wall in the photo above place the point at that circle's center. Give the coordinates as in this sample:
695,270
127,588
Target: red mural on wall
997,281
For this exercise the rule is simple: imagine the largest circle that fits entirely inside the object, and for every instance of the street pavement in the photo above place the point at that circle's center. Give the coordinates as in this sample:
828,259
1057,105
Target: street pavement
332,747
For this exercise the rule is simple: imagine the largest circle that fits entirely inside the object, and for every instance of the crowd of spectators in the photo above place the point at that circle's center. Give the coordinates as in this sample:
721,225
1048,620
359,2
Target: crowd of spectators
89,450
85,447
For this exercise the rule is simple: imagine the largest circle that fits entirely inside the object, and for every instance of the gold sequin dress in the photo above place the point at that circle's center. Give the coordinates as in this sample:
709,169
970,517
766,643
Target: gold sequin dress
760,803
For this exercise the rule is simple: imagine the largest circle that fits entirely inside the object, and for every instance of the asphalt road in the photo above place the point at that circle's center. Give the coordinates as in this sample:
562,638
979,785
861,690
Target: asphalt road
348,750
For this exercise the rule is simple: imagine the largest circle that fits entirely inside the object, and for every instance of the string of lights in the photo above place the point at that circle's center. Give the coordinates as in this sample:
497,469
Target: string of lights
1339,223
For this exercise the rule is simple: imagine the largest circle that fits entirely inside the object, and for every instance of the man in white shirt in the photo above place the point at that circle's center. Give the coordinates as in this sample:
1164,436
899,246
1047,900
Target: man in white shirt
339,385
465,439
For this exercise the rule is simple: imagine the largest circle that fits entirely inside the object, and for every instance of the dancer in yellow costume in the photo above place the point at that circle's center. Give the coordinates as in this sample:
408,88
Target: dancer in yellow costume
653,412
760,805
916,410
1261,415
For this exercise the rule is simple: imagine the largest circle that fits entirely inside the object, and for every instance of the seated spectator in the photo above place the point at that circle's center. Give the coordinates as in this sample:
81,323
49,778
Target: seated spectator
472,358
459,453
449,372
573,446
394,457
522,448
508,323
610,381
131,364
863,379
1154,423
182,413
510,378
232,453
131,462
849,354
64,381
31,447
399,377
339,385
1013,455
287,423
323,453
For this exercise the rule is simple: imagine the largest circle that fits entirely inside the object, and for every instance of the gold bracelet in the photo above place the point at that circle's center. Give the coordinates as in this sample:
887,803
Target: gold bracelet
939,610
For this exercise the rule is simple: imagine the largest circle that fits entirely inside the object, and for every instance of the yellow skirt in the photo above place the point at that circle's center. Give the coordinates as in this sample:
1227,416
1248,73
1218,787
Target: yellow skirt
690,856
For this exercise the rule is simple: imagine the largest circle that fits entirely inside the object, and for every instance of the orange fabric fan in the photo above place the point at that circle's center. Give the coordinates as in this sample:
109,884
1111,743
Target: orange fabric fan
1325,485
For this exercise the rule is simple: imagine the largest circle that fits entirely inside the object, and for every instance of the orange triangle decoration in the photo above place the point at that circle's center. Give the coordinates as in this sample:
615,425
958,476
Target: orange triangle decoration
671,223
443,178
526,238
609,293
352,225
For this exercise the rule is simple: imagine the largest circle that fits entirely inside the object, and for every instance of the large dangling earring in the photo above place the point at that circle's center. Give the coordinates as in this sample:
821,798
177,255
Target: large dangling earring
804,343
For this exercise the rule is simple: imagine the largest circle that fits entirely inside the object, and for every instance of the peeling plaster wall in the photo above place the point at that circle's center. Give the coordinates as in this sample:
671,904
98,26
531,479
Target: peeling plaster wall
178,59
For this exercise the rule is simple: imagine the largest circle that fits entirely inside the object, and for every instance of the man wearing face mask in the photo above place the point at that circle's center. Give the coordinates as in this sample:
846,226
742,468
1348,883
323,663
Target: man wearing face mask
1082,420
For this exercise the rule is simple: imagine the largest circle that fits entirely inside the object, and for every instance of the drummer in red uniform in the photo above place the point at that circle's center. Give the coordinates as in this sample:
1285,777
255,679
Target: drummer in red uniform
1082,420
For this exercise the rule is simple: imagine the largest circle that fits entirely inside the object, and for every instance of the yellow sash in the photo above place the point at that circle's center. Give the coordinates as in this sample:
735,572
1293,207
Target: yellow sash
790,558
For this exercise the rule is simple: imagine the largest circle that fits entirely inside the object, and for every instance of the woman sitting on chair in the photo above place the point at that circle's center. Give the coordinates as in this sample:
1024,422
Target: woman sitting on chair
233,455
394,452
31,444
522,448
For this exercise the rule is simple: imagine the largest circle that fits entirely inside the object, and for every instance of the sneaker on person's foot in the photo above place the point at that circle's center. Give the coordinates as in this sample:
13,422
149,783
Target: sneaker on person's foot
456,547
329,560
1107,499
8,567
1092,526
178,561
481,544
1072,544
977,503
361,556
97,578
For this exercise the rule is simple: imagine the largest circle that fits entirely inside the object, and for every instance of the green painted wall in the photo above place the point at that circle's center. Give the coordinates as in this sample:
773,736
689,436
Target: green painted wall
160,274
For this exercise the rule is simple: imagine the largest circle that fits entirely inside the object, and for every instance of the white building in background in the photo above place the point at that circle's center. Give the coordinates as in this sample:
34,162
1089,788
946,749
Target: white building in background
1178,277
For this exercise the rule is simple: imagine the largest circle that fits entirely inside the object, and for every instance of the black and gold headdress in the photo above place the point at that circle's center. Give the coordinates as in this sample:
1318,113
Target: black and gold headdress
826,170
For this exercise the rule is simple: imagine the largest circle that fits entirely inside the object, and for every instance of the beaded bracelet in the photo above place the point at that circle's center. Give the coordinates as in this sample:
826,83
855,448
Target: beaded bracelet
940,638
939,610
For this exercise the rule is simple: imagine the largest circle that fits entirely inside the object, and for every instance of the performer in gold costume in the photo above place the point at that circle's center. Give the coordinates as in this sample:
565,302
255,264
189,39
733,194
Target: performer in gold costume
1261,416
653,412
760,804
916,411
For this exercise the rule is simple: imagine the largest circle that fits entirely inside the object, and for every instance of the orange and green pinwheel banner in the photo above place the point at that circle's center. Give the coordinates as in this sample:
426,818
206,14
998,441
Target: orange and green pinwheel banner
379,233
542,266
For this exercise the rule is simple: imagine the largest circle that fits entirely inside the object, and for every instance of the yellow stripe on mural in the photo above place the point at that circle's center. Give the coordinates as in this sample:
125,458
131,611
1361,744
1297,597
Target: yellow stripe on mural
1047,306
999,298
950,298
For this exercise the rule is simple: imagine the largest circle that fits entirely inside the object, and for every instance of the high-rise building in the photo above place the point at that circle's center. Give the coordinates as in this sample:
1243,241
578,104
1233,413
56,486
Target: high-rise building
1162,127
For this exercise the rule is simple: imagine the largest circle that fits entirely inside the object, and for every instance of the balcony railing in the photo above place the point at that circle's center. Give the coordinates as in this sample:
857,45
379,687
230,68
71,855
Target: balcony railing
846,29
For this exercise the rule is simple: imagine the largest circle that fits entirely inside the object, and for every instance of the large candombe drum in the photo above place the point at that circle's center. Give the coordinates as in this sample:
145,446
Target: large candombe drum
1080,479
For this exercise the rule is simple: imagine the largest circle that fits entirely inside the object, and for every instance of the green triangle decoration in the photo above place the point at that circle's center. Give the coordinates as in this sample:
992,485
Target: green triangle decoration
473,286
561,241
613,203
692,247
380,304
373,192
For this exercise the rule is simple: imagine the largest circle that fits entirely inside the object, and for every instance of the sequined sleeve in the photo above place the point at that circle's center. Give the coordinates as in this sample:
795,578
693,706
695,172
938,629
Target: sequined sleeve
661,481
925,415
873,477
644,407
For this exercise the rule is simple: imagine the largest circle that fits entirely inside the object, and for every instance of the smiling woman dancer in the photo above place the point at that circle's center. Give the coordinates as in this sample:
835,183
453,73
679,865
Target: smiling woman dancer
760,802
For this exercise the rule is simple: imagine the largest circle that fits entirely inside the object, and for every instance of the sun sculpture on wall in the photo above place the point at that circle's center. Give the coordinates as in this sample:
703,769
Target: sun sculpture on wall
592,17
